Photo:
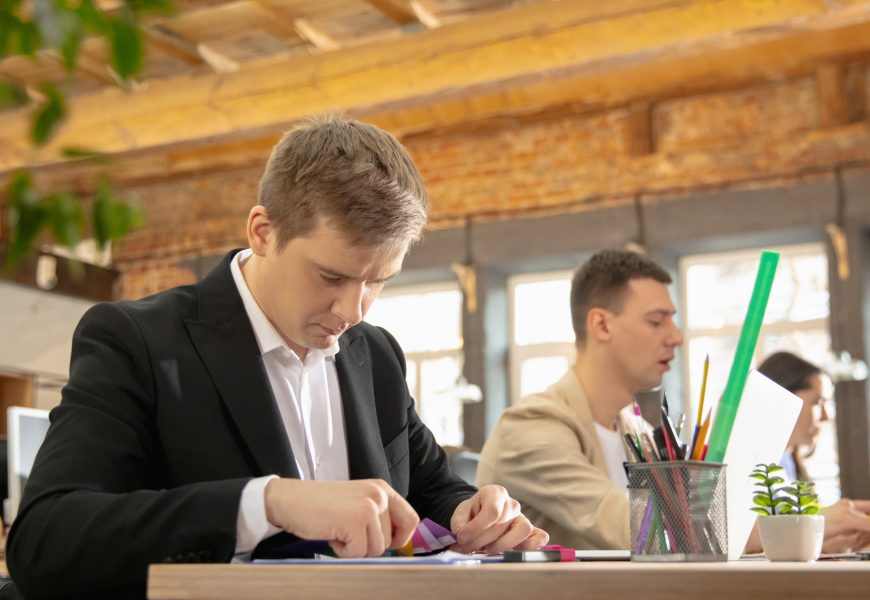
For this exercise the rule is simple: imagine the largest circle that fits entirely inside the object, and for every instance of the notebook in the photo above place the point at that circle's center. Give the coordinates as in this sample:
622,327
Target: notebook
765,419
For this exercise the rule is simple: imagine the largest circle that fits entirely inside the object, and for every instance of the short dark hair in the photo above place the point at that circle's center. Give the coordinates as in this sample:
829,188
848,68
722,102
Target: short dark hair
601,282
789,370
355,175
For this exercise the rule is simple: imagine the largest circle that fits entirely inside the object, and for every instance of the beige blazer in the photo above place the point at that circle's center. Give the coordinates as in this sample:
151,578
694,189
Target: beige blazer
545,451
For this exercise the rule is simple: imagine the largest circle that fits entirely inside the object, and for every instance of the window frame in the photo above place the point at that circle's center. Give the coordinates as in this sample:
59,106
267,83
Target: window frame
519,353
416,358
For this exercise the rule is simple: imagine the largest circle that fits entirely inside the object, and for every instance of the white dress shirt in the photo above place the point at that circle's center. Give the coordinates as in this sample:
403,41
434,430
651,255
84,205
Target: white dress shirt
309,401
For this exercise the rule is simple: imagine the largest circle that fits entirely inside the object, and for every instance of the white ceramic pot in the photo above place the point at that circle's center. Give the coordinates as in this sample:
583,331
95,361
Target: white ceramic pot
792,537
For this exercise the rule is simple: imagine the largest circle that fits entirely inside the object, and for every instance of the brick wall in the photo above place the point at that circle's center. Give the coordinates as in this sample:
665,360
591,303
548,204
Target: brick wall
734,138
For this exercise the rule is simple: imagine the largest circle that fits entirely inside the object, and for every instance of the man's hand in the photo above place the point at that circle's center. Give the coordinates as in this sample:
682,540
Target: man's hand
357,518
492,520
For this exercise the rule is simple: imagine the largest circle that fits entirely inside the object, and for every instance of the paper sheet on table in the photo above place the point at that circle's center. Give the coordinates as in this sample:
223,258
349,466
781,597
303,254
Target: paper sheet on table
428,537
447,557
765,419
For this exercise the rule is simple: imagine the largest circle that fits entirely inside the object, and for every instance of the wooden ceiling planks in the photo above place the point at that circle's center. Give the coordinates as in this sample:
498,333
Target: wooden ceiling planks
232,71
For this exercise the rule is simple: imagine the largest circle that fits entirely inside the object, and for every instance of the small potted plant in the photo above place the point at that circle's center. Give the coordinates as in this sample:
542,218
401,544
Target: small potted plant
790,527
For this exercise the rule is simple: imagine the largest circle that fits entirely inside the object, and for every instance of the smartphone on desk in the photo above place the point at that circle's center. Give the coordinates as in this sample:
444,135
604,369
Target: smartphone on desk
532,556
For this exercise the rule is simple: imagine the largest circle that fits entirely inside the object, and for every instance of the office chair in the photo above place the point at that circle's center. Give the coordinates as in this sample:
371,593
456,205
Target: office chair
8,591
464,464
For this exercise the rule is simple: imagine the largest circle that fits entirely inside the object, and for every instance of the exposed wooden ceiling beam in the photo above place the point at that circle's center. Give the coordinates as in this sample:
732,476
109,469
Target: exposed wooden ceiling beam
296,26
833,99
85,66
571,51
172,44
398,10
218,61
315,36
791,56
425,15
178,6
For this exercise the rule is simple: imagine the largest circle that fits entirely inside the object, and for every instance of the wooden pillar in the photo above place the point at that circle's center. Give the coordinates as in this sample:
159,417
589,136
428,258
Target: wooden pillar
639,131
847,333
485,343
833,103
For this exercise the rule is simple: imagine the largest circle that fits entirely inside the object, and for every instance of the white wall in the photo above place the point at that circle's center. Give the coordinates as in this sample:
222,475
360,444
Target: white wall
36,331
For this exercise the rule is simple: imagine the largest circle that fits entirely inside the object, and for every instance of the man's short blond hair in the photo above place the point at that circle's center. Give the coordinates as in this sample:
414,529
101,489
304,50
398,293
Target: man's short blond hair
357,177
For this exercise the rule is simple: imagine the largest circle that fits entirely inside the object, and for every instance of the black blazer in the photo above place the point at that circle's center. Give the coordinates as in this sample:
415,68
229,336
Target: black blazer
168,413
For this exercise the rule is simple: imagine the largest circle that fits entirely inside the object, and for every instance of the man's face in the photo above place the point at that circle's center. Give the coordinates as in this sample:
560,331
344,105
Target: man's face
319,285
643,334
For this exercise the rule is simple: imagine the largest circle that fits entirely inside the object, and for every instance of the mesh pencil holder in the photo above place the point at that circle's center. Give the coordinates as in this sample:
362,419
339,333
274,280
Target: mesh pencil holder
677,511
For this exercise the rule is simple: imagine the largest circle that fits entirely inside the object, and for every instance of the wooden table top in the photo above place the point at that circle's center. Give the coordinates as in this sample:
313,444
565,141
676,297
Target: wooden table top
760,580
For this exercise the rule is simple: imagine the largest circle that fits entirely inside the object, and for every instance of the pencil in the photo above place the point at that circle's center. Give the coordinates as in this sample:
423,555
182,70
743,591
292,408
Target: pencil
698,448
701,403
703,389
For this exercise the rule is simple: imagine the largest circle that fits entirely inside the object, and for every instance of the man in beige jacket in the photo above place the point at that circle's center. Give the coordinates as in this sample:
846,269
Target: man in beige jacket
559,452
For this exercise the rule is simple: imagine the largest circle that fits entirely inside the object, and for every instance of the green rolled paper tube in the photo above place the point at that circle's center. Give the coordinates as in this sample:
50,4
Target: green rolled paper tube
727,410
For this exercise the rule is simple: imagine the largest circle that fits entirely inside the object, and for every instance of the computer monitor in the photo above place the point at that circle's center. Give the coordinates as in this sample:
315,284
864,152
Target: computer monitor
26,429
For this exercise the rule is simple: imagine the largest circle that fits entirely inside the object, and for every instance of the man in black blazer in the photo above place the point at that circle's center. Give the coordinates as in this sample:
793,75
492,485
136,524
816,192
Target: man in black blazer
200,422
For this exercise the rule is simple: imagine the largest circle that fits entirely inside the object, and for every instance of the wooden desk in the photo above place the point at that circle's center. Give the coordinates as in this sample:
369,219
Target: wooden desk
760,580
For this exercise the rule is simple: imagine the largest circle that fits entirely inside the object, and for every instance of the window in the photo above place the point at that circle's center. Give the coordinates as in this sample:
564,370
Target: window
426,320
716,291
541,335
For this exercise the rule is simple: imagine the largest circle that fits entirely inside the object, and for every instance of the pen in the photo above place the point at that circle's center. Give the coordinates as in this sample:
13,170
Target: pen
671,442
638,424
649,446
634,451
681,419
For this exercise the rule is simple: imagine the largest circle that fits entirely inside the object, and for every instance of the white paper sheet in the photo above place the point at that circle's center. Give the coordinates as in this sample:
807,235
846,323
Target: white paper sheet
763,424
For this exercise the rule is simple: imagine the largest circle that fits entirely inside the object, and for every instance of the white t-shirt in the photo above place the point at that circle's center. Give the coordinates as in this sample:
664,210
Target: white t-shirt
614,454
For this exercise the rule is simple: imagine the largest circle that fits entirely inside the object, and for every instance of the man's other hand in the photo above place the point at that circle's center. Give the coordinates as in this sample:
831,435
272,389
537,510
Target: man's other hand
492,520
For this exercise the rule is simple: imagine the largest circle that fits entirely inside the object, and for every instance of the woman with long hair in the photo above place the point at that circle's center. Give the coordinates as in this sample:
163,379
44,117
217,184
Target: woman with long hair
847,523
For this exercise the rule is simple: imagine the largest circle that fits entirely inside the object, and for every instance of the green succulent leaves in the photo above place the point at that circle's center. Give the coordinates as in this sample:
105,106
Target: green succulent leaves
773,497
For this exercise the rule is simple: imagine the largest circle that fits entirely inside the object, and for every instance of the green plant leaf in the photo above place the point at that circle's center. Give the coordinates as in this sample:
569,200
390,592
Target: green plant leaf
127,53
93,17
153,6
27,217
761,511
8,24
48,116
811,510
784,501
73,32
789,490
84,153
762,500
66,218
24,39
12,95
60,27
113,218
771,481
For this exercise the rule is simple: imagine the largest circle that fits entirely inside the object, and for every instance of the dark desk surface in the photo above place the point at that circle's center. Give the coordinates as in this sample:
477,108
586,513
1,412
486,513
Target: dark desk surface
760,580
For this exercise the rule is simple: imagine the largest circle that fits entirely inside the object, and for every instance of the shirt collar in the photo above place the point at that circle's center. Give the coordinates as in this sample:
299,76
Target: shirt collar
268,338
